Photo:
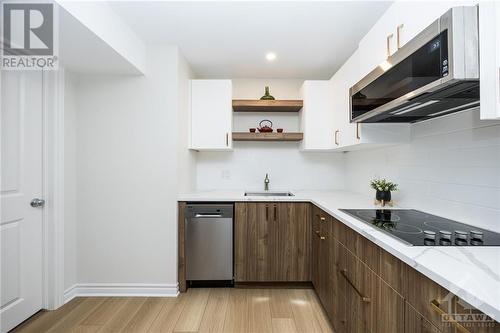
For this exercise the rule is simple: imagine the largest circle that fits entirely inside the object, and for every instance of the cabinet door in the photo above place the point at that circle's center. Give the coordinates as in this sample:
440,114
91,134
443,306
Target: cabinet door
272,242
211,114
360,293
254,242
415,16
373,47
341,83
317,117
489,58
416,323
325,293
394,272
474,320
293,246
430,299
339,286
389,311
316,244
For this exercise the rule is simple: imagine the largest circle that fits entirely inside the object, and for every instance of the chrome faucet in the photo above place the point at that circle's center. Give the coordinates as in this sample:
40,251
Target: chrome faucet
266,183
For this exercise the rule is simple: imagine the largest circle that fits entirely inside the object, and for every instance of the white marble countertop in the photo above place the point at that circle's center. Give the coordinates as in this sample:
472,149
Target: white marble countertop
472,273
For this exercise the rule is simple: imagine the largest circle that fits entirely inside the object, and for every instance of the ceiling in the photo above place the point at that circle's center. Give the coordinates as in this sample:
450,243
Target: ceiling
311,39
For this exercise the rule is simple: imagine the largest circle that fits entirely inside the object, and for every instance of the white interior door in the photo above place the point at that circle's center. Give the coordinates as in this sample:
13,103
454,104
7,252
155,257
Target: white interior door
21,181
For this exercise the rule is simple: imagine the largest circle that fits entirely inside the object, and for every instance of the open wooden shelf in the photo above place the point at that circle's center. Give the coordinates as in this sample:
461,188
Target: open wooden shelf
246,136
251,105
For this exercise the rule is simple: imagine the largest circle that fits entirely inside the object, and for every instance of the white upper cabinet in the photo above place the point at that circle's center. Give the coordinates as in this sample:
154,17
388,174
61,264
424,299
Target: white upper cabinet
317,116
379,42
352,136
211,115
402,21
489,46
415,16
345,132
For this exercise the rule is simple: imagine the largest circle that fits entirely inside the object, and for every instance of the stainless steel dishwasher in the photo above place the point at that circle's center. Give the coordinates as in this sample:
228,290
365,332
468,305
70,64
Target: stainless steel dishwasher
209,243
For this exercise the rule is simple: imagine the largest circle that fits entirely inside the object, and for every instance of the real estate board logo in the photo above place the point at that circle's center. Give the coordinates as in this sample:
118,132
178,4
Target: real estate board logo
29,35
467,317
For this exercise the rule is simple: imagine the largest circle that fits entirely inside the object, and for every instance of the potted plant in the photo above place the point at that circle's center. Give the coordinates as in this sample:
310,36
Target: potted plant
384,189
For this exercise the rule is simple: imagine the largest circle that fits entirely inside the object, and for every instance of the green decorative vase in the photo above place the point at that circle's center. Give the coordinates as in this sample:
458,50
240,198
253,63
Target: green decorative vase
267,96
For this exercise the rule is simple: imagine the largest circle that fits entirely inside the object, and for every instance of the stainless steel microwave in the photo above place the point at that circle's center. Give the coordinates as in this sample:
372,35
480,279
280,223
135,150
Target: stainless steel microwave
434,74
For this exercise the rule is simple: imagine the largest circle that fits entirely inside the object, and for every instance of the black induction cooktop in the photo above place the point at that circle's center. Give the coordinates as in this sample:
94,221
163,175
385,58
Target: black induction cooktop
417,228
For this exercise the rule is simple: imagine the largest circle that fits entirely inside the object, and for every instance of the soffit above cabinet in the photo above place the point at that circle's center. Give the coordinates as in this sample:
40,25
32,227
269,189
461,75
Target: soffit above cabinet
88,46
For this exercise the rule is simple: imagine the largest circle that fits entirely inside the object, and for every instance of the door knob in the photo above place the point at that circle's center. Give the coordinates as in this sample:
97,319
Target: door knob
37,203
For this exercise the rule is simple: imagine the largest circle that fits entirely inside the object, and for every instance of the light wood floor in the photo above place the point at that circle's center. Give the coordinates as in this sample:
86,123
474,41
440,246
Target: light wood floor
198,310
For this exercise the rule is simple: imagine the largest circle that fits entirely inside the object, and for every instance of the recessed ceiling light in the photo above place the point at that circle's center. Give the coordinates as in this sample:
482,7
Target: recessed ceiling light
271,56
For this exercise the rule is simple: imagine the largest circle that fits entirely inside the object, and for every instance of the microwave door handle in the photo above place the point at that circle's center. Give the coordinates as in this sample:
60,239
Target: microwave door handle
414,107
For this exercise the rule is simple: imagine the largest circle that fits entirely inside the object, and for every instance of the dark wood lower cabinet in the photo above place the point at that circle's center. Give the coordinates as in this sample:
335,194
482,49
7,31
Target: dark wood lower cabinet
293,242
272,242
354,297
360,291
315,250
371,304
444,309
430,299
320,271
339,314
473,320
416,323
389,313
362,287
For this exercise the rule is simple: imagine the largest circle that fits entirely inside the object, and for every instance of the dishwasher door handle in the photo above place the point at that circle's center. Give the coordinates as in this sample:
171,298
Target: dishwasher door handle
208,215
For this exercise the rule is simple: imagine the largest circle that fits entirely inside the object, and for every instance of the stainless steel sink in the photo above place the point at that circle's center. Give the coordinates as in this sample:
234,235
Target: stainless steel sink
268,194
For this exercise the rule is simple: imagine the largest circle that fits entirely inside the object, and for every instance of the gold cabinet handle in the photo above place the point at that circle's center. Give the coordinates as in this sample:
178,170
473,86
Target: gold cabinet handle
322,219
435,306
398,35
363,298
388,45
319,235
336,137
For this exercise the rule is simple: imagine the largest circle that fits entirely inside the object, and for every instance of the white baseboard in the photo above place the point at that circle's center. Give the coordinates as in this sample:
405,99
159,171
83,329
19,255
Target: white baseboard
120,289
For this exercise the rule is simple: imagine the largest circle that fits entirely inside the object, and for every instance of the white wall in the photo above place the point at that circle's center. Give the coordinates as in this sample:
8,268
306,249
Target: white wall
288,168
70,190
186,158
254,88
450,168
127,174
245,167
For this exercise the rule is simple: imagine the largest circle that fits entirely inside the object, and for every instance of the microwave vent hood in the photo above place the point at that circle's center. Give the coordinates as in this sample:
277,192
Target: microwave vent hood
434,74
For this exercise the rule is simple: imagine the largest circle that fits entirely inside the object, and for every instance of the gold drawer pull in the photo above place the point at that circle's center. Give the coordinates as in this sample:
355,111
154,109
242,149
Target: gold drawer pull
319,235
435,306
363,298
322,219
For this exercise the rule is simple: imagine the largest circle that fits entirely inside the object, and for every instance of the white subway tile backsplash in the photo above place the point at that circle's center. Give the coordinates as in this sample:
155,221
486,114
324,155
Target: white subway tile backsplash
287,166
466,194
450,168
